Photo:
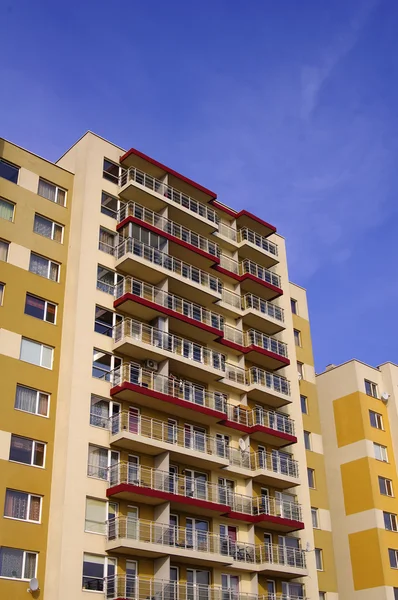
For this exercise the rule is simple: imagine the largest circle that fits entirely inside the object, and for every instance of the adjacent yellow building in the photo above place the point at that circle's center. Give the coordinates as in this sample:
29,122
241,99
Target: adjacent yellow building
358,409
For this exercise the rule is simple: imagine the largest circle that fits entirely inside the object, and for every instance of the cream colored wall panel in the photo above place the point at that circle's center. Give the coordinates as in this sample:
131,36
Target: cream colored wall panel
317,444
309,373
5,441
325,522
100,387
377,593
367,519
299,294
28,180
355,451
10,343
19,256
106,260
103,299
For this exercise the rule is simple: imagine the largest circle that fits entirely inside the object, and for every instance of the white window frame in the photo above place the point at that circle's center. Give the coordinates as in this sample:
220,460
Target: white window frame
372,388
393,521
319,555
46,303
109,459
34,442
24,553
104,572
30,495
396,558
388,485
103,246
300,369
119,203
42,346
378,420
305,403
53,224
297,337
112,365
295,303
111,404
7,162
107,176
38,392
2,292
2,241
12,204
380,452
315,512
50,262
307,440
106,503
57,188
116,280
309,469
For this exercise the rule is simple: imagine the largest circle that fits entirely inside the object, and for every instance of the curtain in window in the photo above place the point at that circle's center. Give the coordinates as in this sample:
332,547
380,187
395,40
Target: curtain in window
11,562
21,449
96,516
6,210
34,512
54,270
47,357
98,462
16,505
30,565
38,265
61,197
38,458
26,399
93,572
99,412
43,226
47,190
57,235
106,237
43,404
3,250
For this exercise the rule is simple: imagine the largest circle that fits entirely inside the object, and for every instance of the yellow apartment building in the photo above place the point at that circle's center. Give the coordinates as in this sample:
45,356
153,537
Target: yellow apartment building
358,409
154,446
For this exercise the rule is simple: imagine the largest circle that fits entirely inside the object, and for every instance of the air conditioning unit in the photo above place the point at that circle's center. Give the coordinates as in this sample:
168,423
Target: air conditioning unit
151,364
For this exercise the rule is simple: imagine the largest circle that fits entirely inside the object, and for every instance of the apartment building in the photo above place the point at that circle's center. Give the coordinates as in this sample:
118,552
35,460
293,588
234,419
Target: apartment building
358,409
179,468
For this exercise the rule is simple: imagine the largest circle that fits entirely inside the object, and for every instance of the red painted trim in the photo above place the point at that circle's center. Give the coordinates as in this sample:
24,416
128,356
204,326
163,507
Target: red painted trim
278,291
265,518
154,162
166,398
172,238
253,348
166,311
291,439
168,496
242,213
228,273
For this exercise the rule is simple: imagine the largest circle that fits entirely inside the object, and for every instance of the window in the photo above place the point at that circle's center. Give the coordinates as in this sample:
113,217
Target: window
22,506
371,388
315,518
4,250
103,364
104,320
385,486
395,593
376,420
101,410
390,521
311,478
106,241
6,210
36,353
304,404
32,401
109,205
40,309
44,267
293,306
297,337
99,460
380,452
149,238
52,192
107,279
95,568
49,229
300,370
307,440
9,171
318,559
2,286
17,564
26,451
98,512
393,554
110,171
322,595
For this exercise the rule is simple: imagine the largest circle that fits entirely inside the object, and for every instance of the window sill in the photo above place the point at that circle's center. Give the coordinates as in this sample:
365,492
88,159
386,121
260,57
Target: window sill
22,520
16,462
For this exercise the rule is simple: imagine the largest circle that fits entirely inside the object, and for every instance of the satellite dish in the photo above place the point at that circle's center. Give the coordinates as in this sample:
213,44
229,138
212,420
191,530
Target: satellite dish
299,375
308,547
385,396
33,585
242,444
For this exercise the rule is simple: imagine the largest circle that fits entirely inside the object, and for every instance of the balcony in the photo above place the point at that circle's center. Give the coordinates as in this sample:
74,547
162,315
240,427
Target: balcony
257,247
153,266
260,313
263,425
260,385
145,301
150,539
177,234
134,183
132,383
253,277
142,341
132,432
257,346
269,468
131,482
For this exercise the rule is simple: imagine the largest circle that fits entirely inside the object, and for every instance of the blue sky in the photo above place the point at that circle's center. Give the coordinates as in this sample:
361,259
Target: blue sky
288,109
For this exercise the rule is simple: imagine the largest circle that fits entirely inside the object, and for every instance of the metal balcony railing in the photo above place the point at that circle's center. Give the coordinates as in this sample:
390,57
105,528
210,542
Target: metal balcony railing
228,232
170,386
245,234
251,302
274,462
155,185
132,209
229,264
261,378
231,298
259,416
154,256
130,285
255,338
191,540
248,266
183,437
198,488
129,328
